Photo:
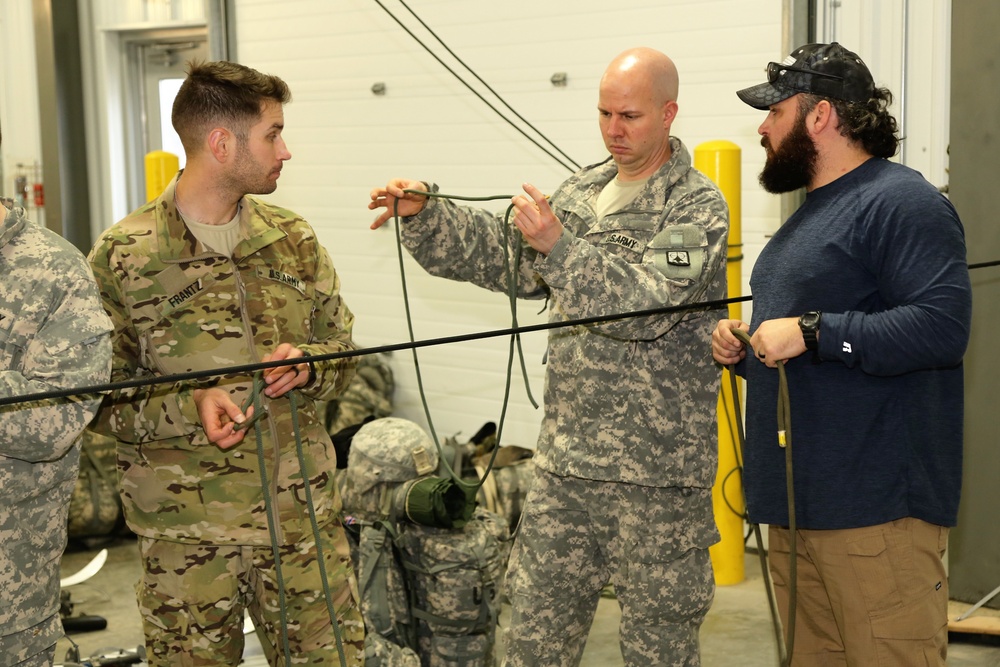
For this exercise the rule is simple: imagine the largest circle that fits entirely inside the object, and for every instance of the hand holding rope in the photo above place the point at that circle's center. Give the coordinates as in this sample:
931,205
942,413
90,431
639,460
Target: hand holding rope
786,646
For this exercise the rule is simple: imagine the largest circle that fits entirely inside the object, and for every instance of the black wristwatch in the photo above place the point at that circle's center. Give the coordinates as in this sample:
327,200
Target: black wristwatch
809,324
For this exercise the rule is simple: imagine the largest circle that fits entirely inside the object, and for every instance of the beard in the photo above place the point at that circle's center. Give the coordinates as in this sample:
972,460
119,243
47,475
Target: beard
249,177
793,165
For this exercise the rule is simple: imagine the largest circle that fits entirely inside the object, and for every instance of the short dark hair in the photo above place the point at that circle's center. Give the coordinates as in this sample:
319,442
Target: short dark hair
868,123
222,92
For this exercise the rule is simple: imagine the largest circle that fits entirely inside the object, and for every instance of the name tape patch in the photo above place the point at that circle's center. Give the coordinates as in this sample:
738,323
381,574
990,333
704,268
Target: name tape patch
185,294
286,278
622,240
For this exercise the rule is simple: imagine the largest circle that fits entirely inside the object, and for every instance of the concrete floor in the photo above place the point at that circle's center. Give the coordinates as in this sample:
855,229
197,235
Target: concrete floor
737,631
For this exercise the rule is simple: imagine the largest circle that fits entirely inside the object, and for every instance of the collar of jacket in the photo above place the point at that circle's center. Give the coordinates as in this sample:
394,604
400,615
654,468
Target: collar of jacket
178,244
583,187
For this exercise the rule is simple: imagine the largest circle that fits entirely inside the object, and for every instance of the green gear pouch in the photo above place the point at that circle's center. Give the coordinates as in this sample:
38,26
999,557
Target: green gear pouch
435,501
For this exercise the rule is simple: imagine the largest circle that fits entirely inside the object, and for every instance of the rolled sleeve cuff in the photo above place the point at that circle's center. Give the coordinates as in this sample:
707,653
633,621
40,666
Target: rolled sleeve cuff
554,265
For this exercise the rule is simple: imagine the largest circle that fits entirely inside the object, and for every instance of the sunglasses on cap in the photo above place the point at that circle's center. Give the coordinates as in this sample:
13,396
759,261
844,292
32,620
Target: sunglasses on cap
774,71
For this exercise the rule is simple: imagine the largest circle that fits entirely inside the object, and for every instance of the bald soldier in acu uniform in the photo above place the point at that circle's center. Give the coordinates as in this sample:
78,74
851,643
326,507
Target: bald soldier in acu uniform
204,277
627,451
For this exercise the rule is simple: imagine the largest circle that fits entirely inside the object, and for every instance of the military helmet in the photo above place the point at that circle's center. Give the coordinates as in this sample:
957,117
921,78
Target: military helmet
387,451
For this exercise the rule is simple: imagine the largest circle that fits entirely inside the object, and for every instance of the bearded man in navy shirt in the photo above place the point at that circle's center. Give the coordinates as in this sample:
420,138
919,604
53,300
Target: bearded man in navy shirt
864,294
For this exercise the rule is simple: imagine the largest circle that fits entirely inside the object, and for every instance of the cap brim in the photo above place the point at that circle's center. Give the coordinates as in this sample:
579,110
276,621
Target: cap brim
764,95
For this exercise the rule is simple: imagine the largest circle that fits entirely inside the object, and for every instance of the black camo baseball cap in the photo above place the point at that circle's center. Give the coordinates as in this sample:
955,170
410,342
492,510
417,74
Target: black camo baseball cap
829,70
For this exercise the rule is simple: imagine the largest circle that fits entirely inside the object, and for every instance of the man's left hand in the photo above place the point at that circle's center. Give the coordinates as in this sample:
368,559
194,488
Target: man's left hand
535,219
778,340
282,379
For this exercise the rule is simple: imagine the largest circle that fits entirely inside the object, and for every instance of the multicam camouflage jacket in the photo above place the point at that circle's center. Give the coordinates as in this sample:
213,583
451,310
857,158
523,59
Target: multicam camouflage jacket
632,400
53,335
178,306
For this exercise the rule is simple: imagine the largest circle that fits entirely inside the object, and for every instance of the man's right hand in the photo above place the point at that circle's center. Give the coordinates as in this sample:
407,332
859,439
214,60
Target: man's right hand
219,416
727,348
409,203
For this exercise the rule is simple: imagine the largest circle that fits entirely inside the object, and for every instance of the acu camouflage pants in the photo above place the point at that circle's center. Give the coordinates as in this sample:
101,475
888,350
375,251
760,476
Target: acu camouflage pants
575,536
192,598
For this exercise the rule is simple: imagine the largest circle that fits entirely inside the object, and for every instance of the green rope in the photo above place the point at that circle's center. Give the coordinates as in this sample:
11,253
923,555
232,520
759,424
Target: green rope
315,527
259,412
511,270
786,647
254,399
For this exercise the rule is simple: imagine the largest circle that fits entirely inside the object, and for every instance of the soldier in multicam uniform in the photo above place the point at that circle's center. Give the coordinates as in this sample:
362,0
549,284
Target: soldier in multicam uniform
626,456
206,277
53,335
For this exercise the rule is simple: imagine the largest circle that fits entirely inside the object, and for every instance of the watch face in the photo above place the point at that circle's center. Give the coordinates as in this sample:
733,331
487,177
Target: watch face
810,320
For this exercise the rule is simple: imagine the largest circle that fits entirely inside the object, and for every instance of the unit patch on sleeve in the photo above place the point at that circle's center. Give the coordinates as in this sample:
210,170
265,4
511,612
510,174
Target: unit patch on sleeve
679,251
678,258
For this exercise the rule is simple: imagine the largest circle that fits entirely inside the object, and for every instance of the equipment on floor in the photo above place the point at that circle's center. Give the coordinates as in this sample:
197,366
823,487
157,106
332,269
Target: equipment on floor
429,592
85,622
79,623
107,658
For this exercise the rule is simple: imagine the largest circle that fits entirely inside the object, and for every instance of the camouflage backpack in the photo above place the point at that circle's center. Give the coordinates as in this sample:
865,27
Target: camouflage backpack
431,591
390,633
368,396
454,577
95,507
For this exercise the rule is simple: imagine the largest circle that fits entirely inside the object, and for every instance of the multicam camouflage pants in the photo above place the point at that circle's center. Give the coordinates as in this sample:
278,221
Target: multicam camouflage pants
192,598
575,536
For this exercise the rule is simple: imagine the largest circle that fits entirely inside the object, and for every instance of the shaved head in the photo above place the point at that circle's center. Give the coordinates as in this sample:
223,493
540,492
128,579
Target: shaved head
646,67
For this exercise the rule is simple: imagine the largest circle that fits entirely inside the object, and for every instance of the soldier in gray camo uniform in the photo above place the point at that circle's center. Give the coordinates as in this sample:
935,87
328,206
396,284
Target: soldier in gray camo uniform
626,456
204,277
53,335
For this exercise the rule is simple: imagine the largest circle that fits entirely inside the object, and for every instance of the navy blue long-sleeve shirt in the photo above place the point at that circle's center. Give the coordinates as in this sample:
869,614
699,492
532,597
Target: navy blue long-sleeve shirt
877,426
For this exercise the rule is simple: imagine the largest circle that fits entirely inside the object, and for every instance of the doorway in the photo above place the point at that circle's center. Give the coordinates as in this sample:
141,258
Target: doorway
157,62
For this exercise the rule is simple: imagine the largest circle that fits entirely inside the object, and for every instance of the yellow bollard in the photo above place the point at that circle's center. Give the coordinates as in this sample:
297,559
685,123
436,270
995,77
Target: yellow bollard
720,161
161,167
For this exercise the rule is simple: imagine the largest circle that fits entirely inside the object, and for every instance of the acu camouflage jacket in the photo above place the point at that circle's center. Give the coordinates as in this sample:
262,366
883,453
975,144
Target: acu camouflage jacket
178,306
632,400
53,335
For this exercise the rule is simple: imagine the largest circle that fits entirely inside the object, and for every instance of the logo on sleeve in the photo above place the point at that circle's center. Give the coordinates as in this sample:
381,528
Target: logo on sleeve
678,258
